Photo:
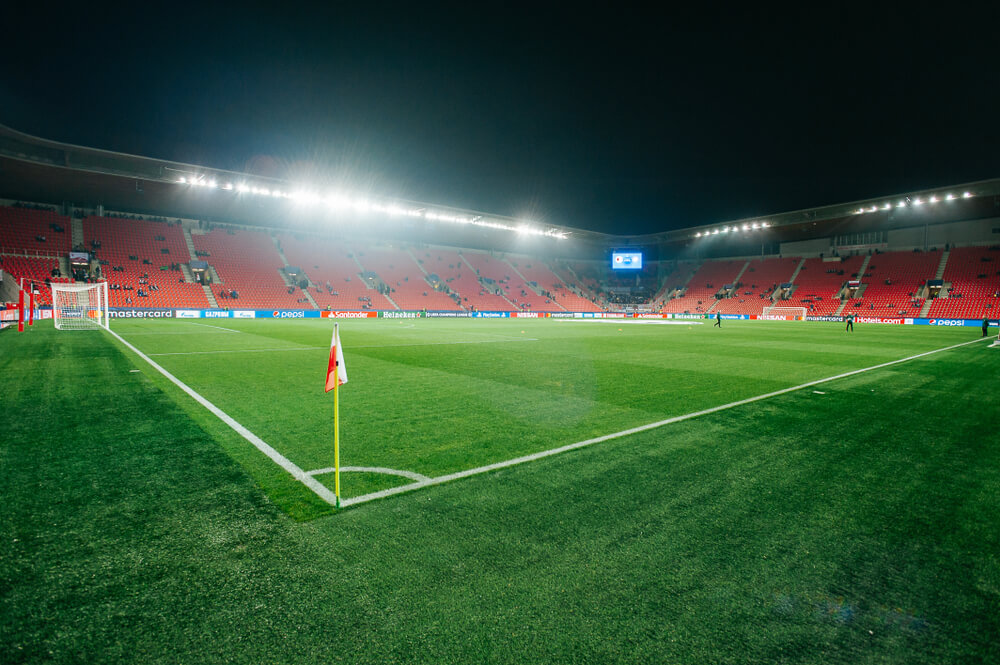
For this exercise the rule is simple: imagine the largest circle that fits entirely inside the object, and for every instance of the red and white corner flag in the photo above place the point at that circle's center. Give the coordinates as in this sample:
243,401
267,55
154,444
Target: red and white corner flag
336,371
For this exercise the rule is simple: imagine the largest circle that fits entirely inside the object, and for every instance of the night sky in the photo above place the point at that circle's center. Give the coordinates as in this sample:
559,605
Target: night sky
620,121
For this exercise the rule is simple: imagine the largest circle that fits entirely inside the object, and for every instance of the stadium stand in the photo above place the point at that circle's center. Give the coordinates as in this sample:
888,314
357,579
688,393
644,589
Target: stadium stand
498,273
974,277
583,276
560,286
451,267
142,255
760,280
677,279
820,280
893,282
410,290
248,263
551,285
35,269
334,271
136,256
710,277
34,231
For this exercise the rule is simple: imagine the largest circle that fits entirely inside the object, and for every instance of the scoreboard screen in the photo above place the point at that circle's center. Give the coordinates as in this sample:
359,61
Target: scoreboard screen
626,260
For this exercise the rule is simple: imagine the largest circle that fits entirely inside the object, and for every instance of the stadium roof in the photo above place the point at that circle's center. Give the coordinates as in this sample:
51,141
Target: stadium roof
37,169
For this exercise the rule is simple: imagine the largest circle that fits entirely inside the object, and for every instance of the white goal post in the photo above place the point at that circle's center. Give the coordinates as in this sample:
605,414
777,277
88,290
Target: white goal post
80,306
775,310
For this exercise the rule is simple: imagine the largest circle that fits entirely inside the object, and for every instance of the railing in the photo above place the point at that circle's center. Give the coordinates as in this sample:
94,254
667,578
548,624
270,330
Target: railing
31,254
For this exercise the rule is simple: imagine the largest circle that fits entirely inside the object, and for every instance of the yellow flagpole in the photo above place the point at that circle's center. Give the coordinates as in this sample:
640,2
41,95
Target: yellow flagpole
336,420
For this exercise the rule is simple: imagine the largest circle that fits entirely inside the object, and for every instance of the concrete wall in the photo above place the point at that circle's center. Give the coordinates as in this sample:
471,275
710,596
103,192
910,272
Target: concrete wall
807,248
979,232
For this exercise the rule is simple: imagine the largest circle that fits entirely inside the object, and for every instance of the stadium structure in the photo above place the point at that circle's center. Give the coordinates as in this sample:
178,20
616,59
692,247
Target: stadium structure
168,235
578,485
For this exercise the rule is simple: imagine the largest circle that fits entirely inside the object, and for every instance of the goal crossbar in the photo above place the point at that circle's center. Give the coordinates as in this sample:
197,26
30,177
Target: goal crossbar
776,310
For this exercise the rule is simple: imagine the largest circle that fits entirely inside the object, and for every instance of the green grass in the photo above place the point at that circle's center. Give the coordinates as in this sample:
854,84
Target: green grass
856,526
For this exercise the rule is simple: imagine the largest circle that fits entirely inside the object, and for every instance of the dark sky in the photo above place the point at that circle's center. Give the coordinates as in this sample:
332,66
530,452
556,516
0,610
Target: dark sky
619,121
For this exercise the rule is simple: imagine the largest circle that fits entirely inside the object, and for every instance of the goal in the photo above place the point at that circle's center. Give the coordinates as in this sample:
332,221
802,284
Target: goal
80,306
795,312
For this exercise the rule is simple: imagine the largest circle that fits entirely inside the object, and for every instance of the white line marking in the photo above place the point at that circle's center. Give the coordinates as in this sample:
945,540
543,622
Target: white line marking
327,348
209,353
471,341
634,322
635,430
371,469
817,392
275,456
150,332
217,327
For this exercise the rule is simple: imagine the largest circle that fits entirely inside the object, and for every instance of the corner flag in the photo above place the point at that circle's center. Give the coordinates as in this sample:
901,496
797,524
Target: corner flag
336,375
336,371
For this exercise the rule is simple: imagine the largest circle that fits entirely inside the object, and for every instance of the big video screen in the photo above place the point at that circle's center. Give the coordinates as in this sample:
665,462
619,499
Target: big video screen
626,260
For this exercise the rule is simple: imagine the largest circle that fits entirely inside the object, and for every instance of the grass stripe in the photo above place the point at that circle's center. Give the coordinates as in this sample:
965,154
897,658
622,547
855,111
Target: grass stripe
627,432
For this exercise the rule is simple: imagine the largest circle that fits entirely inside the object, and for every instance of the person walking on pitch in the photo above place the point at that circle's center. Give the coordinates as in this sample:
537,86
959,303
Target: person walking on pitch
850,323
718,320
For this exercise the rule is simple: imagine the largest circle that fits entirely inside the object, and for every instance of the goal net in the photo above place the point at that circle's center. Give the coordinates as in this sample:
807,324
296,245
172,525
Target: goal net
794,312
80,306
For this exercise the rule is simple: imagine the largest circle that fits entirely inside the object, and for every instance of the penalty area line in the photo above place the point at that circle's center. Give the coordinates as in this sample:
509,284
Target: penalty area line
392,491
217,327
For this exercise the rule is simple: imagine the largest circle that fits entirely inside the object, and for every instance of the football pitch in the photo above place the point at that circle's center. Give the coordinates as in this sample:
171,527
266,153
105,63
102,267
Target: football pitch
514,491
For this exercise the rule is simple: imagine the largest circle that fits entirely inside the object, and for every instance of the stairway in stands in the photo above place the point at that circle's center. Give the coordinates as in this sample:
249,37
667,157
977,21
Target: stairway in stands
797,269
925,310
286,278
861,274
76,232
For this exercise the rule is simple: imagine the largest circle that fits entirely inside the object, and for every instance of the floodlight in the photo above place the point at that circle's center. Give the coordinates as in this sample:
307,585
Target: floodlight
887,206
242,188
967,195
918,201
933,199
698,234
715,232
901,204
764,225
212,183
756,225
746,227
950,197
228,185
182,180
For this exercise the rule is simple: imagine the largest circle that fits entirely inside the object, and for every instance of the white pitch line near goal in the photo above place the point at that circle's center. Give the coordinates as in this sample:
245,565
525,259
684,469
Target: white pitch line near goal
635,322
258,443
205,325
635,430
327,348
